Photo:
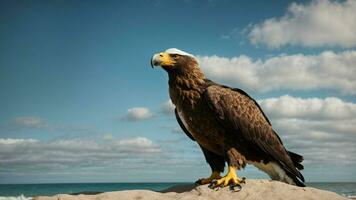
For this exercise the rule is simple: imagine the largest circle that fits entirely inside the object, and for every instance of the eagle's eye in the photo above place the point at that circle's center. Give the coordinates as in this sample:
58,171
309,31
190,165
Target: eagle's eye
175,56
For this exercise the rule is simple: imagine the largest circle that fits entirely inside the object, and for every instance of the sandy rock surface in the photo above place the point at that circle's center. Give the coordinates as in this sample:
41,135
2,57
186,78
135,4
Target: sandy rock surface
253,189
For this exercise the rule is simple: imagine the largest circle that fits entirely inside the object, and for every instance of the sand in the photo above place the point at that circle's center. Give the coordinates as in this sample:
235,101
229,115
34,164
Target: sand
253,189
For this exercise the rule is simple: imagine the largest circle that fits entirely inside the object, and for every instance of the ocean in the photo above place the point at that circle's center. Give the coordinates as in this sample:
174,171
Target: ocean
26,191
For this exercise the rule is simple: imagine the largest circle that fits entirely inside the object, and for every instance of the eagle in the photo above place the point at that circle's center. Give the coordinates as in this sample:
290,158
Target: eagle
228,125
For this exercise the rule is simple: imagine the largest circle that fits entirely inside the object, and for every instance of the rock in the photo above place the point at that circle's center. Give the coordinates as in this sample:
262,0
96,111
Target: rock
253,189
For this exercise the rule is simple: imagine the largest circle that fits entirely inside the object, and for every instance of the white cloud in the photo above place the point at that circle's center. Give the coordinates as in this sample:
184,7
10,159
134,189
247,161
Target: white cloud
28,153
29,122
167,107
315,24
138,113
317,128
25,123
309,108
99,159
10,141
327,70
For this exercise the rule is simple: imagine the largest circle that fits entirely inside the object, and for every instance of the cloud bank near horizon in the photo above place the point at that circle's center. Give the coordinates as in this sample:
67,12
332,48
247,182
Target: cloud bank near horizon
317,128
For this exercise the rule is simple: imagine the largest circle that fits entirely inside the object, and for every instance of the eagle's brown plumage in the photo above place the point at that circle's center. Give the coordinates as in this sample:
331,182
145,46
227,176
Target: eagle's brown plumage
227,123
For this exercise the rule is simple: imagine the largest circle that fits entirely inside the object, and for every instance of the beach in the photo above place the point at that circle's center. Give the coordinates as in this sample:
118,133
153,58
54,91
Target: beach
26,191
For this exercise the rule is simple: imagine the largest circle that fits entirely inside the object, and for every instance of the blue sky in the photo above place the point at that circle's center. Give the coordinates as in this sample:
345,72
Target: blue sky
79,101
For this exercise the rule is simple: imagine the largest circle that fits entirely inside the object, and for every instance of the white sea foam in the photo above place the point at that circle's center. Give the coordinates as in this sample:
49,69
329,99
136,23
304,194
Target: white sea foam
22,197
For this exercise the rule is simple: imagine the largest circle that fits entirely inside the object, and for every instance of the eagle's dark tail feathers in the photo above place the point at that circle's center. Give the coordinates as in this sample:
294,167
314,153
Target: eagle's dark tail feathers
297,160
296,180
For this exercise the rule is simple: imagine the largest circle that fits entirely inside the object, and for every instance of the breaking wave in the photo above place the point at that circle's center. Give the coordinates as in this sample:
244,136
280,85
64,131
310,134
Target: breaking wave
22,197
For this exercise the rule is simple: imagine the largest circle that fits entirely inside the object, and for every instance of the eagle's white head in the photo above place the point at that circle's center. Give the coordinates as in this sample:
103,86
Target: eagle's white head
178,51
171,57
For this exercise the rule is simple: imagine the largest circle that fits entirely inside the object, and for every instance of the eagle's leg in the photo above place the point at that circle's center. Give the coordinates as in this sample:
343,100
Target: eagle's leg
217,164
235,161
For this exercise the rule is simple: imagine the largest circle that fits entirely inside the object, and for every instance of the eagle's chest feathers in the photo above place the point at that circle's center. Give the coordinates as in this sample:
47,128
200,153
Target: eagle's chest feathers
195,115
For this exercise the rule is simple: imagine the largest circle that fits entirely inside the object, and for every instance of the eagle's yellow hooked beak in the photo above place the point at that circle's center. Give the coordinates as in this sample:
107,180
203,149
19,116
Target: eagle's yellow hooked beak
162,59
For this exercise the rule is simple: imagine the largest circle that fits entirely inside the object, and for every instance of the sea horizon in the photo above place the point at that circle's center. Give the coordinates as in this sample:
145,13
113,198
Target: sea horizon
29,190
150,182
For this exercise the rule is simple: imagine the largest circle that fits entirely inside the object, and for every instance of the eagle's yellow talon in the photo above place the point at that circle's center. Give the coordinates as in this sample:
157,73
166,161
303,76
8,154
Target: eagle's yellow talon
214,175
230,177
